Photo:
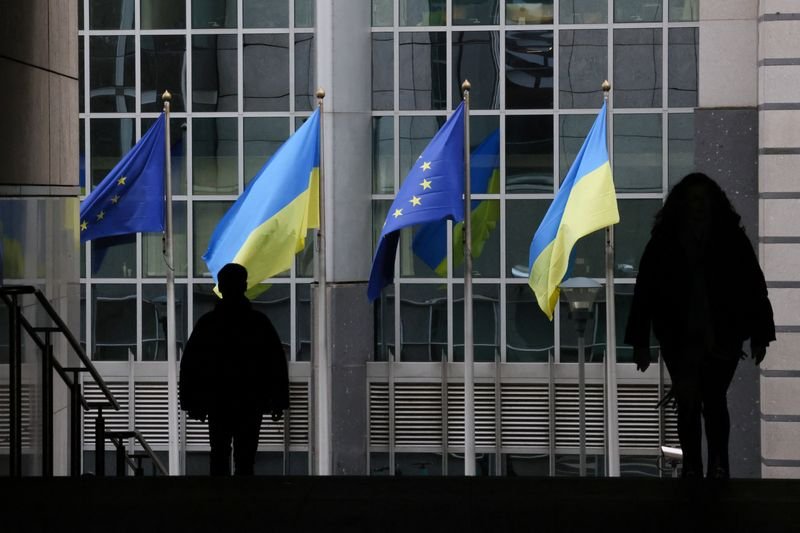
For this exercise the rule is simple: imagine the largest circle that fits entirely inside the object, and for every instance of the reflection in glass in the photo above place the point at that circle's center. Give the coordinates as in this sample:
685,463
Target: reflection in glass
680,145
475,57
423,322
265,13
594,337
304,259
380,209
423,70
637,153
569,465
112,74
526,465
303,324
683,58
213,14
379,464
154,321
415,134
110,139
81,76
486,322
418,464
304,13
683,10
529,333
109,14
423,12
632,233
153,261
637,68
215,156
114,257
266,72
262,138
623,296
206,216
383,155
275,302
163,68
583,66
304,89
583,11
485,241
214,78
178,136
572,132
384,325
529,69
522,12
638,11
382,71
466,12
382,12
589,253
529,154
157,14
204,300
114,322
640,465
522,217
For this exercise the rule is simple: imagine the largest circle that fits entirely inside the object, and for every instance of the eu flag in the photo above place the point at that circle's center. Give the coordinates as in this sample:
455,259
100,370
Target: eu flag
131,198
433,190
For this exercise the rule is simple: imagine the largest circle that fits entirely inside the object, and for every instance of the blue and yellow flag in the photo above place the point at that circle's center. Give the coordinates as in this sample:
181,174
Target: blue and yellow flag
268,224
131,198
432,191
430,241
585,202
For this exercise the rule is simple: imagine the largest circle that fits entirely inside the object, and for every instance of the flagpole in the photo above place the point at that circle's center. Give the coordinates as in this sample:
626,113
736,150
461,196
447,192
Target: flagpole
320,368
612,427
172,370
469,366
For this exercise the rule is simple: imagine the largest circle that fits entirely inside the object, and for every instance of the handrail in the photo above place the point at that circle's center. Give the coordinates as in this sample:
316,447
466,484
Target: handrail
136,434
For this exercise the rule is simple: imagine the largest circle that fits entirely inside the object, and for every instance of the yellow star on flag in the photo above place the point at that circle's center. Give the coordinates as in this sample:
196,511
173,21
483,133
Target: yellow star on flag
84,226
115,199
121,181
101,215
426,166
415,200
397,213
426,184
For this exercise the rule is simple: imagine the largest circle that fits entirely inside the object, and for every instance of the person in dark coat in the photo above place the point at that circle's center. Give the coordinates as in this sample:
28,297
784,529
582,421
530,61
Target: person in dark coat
702,291
233,371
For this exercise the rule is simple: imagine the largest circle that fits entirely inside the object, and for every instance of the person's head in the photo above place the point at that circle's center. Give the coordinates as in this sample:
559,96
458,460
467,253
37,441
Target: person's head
232,280
696,201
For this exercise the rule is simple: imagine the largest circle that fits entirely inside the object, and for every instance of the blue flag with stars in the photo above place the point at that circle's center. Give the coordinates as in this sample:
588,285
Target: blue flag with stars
433,190
130,198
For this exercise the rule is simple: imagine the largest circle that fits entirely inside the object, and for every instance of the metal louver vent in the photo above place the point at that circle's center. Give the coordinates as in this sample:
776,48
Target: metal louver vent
30,423
418,414
150,412
115,420
526,415
638,418
567,415
484,414
378,414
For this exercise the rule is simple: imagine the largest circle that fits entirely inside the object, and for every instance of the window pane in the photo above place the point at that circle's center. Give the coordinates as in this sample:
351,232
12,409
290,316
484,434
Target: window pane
153,261
305,92
382,12
589,253
583,11
214,78
215,165
110,139
683,10
380,208
632,233
384,324
637,68
529,333
80,15
82,156
623,296
178,136
680,146
383,155
683,57
111,73
213,14
475,56
522,217
637,153
157,14
529,154
114,322
114,257
418,464
81,75
528,12
573,130
304,13
266,54
304,259
266,13
303,323
485,322
423,322
110,14
275,303
423,70
206,216
382,71
529,69
583,67
485,241
415,134
474,12
262,138
638,11
423,12
163,69
154,321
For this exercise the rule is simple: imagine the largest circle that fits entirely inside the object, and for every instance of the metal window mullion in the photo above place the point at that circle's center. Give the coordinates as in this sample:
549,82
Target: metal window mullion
239,59
292,87
188,55
501,85
664,106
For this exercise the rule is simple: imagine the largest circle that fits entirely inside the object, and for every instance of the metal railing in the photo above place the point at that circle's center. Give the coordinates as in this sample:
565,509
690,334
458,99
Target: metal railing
42,336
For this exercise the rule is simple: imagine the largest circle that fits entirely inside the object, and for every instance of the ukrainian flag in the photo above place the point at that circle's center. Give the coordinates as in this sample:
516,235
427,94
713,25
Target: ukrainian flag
585,202
268,224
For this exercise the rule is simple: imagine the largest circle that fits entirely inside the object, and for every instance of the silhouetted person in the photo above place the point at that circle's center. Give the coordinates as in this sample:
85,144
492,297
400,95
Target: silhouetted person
233,371
701,288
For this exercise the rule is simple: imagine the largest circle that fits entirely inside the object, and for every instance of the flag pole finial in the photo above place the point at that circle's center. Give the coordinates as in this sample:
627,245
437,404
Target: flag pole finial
320,93
167,96
606,86
466,86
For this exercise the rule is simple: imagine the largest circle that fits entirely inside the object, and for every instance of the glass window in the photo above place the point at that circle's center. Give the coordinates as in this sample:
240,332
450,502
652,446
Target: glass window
112,74
632,233
154,320
303,324
529,333
382,12
380,209
110,139
382,71
415,134
639,466
304,259
418,464
163,68
423,322
206,216
572,132
623,296
423,12
114,257
384,324
683,58
529,69
275,302
526,465
582,69
157,14
637,67
204,300
304,90
529,154
214,14
215,160
383,155
266,13
423,70
638,11
304,13
683,10
82,157
178,136
262,138
485,241
153,260
109,14
637,153
114,322
379,464
485,322
81,75
214,77
80,15
583,11
466,12
266,54
680,146
475,56
523,12
589,253
522,218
